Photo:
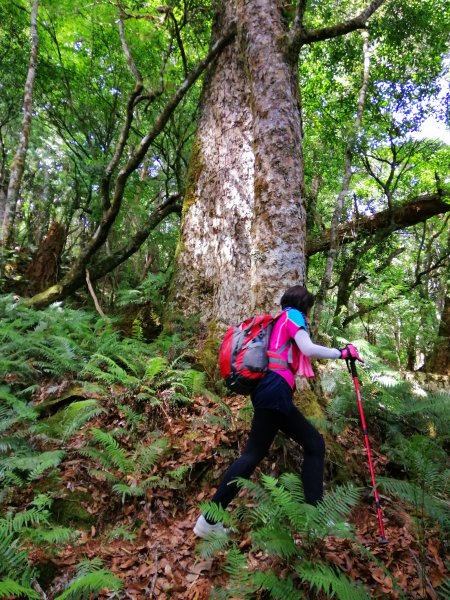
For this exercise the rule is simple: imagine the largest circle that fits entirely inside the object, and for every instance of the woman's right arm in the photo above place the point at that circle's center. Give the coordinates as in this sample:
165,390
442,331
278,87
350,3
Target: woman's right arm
308,348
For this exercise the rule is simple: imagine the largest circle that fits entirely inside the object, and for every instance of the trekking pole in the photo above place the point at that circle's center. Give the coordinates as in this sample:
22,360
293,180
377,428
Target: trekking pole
352,369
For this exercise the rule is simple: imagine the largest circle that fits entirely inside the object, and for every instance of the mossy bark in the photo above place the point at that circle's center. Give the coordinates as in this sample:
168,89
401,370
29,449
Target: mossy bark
243,226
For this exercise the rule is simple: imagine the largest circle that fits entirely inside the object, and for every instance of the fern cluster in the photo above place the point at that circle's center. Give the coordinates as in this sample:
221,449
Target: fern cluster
174,381
61,342
129,473
16,531
427,479
90,578
33,525
288,530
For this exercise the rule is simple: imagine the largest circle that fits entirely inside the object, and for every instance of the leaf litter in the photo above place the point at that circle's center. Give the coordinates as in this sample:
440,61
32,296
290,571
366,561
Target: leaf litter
148,541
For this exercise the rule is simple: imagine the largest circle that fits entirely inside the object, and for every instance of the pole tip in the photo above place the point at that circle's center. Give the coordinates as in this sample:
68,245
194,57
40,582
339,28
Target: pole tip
383,541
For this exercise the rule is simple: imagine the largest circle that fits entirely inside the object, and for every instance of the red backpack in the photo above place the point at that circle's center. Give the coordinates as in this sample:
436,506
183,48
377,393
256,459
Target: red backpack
243,355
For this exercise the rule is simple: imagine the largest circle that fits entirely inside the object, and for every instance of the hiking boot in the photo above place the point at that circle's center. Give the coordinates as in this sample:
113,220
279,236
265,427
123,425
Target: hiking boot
204,529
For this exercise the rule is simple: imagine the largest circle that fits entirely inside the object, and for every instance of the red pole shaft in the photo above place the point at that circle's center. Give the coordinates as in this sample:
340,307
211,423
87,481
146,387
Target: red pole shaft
369,456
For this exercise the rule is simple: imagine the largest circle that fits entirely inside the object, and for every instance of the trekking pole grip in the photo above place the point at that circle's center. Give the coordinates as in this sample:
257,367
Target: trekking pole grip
351,366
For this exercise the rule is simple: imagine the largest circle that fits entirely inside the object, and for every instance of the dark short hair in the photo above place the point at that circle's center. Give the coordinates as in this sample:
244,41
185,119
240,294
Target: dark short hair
297,297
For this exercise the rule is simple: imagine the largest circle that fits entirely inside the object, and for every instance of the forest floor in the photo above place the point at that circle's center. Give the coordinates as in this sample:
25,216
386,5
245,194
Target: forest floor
148,542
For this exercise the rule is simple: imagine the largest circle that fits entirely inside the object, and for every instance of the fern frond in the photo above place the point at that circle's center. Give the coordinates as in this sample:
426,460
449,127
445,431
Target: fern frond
275,540
325,579
145,457
279,589
88,565
18,407
215,512
126,491
54,535
13,559
12,443
444,590
111,448
106,369
11,589
179,473
102,475
240,583
26,518
422,501
155,366
210,546
334,508
33,465
293,484
134,419
91,583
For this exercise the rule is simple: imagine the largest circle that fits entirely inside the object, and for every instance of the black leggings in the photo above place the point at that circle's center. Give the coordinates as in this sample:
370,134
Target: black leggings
266,423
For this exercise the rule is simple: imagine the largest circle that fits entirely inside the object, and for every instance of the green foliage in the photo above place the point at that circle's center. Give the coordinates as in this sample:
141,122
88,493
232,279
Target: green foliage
278,519
11,589
122,533
176,379
129,473
66,422
444,590
90,583
111,454
428,478
326,579
89,580
65,343
17,531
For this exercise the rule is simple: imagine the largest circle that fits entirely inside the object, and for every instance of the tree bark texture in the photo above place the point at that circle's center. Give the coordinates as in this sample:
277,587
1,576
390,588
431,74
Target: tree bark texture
18,164
43,269
440,358
244,222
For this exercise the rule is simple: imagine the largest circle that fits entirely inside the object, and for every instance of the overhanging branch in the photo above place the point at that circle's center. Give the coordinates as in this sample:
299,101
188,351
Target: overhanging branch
415,211
300,36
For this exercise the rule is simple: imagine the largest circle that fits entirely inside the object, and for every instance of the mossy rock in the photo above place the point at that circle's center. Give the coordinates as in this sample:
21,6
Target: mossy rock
208,355
70,511
308,403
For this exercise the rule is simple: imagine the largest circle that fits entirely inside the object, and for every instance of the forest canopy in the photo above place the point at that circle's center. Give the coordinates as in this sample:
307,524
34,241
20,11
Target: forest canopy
100,151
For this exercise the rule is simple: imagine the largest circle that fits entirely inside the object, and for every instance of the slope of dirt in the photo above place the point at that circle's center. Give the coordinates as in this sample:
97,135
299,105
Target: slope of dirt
156,556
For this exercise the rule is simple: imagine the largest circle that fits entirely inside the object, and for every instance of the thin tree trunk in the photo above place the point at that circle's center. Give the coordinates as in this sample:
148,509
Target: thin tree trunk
439,361
334,234
18,164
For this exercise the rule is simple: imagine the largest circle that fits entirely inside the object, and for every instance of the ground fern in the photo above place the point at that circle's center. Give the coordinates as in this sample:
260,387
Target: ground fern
278,519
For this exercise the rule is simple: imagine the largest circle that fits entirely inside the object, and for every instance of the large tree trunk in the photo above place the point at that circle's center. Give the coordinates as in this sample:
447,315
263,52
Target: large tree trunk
243,230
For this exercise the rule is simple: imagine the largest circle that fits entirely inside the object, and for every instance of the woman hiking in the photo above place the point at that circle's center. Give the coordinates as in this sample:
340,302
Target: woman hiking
274,409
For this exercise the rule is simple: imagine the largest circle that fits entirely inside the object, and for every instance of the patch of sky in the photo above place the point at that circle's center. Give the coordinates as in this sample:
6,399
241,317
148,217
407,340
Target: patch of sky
435,124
